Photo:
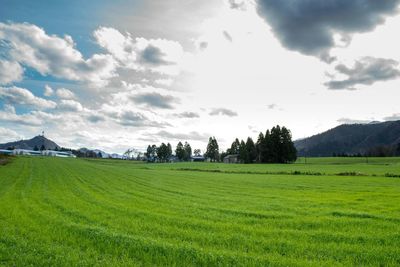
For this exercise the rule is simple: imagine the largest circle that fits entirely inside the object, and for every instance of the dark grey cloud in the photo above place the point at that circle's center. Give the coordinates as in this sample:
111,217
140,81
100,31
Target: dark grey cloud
365,71
187,115
308,26
234,4
271,106
223,112
203,45
183,136
156,100
154,56
95,118
133,118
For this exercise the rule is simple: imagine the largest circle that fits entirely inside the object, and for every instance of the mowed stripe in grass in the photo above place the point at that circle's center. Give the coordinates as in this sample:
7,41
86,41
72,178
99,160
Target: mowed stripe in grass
78,212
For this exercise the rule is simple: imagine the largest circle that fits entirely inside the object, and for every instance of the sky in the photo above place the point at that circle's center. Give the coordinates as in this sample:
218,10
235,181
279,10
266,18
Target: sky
121,74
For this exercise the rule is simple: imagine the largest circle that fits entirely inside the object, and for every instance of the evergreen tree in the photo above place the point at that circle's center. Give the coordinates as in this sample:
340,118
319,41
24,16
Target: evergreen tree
36,148
276,155
223,154
168,152
251,151
212,149
289,152
179,151
151,152
260,148
268,148
148,152
243,152
216,149
187,151
162,152
234,147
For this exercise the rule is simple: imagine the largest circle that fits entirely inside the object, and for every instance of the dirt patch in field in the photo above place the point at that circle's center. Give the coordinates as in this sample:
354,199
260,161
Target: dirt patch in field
4,160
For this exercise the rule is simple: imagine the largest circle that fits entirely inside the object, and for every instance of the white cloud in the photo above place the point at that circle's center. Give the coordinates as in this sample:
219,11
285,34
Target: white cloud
164,82
117,44
8,135
134,119
157,55
353,121
8,115
393,117
64,93
10,71
70,105
187,115
20,96
190,136
52,55
48,91
156,100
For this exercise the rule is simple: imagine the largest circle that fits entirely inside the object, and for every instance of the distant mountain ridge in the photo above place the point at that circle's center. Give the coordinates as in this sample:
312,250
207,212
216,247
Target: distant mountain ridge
37,141
352,139
40,140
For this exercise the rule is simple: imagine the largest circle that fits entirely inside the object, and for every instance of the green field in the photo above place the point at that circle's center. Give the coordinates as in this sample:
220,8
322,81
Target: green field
75,212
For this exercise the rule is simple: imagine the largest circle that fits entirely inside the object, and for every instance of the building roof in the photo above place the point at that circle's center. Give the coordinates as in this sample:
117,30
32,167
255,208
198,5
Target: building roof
231,156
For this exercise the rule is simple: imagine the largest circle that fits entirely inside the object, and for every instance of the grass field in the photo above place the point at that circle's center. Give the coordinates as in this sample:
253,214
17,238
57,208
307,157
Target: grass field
329,212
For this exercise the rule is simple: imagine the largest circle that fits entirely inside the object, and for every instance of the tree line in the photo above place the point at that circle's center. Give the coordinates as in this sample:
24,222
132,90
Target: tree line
275,146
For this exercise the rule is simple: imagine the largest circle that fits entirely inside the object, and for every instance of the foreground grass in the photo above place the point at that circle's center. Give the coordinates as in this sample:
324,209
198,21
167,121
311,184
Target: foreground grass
69,212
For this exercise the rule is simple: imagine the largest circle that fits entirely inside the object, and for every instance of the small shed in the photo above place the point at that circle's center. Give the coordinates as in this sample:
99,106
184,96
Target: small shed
232,159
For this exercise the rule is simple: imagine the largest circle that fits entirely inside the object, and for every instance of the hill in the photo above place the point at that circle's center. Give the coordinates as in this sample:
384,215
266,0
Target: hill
37,141
380,139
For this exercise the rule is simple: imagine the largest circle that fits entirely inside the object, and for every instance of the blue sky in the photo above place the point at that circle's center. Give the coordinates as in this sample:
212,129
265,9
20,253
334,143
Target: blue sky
77,18
120,74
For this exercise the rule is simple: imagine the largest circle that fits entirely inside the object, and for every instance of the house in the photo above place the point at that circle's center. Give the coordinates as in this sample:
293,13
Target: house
197,159
173,159
26,152
232,159
62,154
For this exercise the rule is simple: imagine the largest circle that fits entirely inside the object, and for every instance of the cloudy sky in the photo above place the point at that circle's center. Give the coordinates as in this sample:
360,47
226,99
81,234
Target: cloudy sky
120,74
